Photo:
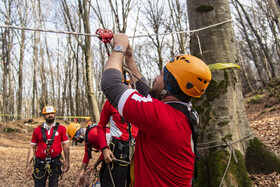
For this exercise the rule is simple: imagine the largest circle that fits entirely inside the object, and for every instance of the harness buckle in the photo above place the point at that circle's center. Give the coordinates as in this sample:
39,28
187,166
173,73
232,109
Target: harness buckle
48,159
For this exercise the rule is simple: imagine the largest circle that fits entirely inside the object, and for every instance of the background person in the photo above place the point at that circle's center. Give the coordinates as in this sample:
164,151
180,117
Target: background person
121,132
47,143
165,144
89,135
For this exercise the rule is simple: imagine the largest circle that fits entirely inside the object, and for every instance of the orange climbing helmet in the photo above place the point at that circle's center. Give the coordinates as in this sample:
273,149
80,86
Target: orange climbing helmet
48,110
192,74
73,130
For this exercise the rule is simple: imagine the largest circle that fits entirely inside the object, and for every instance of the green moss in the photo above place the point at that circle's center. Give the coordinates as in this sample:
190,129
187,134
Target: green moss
211,169
227,137
205,8
216,89
259,159
223,123
256,99
217,162
202,178
239,170
11,130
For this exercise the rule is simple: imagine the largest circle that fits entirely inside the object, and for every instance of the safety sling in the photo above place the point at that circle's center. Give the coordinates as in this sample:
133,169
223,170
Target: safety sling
193,125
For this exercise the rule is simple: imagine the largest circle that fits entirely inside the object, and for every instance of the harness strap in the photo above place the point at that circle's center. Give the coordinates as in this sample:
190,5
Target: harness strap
53,134
49,143
193,125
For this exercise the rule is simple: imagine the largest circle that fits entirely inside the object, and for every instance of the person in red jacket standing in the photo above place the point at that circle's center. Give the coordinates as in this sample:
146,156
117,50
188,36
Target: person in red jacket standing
121,132
166,142
47,143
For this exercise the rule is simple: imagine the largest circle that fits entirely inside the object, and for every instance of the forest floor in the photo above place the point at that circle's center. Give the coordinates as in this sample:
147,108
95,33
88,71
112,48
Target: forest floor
262,110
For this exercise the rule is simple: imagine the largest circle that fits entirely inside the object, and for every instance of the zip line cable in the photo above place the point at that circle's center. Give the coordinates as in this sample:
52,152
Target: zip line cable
94,35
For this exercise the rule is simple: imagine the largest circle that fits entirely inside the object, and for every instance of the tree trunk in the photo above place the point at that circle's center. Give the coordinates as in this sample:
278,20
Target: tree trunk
259,40
94,110
23,20
35,61
258,64
222,112
87,50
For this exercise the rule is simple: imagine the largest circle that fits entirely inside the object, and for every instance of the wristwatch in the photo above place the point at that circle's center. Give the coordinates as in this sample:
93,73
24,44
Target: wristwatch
119,48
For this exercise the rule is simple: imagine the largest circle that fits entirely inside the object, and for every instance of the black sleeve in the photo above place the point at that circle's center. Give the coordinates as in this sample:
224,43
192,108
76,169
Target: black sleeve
142,88
112,86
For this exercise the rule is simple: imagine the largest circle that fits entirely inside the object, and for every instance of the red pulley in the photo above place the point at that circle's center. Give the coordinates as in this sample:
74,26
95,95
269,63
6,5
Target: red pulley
104,35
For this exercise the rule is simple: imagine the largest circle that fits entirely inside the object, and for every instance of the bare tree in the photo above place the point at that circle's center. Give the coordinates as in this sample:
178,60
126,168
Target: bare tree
83,10
154,11
222,109
23,20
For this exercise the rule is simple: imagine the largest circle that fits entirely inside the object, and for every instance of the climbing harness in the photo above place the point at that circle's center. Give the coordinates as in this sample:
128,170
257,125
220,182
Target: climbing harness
89,147
48,160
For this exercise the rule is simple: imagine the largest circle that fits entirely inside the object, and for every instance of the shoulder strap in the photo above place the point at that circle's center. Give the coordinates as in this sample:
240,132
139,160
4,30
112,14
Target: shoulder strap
193,125
44,133
53,134
129,128
49,143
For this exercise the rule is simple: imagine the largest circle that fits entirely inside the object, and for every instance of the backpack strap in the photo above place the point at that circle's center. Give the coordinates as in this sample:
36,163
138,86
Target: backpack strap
193,119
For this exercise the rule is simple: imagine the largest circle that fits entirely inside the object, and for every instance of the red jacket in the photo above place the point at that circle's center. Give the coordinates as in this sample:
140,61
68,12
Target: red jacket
93,141
118,127
55,149
164,154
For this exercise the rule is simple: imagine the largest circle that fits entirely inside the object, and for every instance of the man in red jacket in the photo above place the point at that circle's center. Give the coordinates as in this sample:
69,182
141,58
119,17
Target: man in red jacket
165,144
47,143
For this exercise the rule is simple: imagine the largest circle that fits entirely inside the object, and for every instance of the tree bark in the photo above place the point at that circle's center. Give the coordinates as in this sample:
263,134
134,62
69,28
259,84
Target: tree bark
222,111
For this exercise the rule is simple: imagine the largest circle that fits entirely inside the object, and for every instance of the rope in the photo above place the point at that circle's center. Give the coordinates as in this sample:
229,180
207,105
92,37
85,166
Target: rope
125,162
94,35
225,144
47,30
111,175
